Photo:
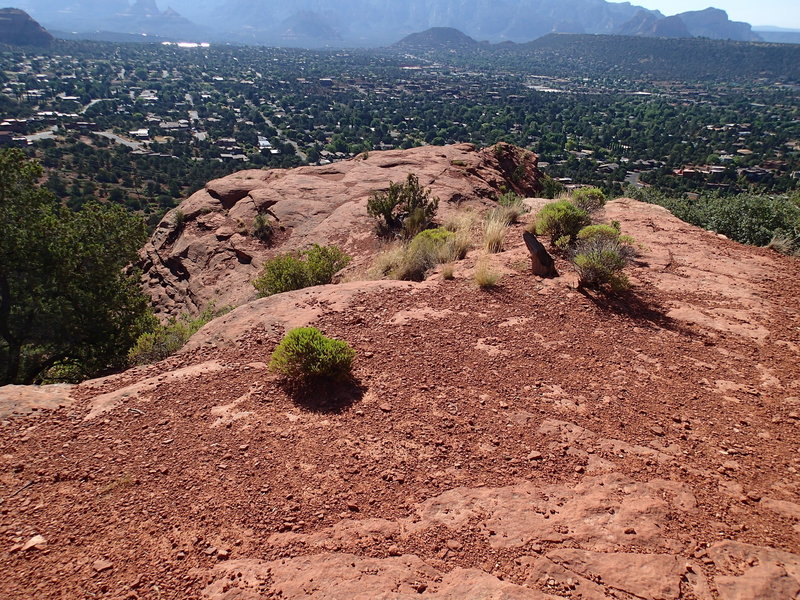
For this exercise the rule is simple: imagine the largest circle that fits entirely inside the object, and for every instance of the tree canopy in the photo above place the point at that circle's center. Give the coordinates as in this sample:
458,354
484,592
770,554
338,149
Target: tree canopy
65,298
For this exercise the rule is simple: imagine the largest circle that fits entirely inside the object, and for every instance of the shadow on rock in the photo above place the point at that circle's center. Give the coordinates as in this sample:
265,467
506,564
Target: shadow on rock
326,396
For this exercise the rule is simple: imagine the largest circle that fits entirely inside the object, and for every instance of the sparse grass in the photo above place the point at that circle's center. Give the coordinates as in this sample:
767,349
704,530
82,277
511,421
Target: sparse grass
413,260
785,244
486,276
448,271
494,231
512,206
263,229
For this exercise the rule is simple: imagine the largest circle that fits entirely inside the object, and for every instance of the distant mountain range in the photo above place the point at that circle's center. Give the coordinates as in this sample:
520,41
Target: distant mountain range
365,23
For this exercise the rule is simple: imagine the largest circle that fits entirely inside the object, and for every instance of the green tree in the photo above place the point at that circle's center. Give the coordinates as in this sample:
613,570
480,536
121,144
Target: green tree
64,298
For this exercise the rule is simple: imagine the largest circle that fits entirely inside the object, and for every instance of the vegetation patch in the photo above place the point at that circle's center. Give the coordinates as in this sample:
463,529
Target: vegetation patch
559,219
287,272
748,218
165,340
306,354
588,198
404,209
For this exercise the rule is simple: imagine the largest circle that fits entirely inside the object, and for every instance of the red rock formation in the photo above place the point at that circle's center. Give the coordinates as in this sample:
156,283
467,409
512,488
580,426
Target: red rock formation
211,257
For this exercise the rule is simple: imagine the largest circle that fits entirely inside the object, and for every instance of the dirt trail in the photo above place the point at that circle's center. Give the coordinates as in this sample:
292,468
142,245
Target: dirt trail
529,442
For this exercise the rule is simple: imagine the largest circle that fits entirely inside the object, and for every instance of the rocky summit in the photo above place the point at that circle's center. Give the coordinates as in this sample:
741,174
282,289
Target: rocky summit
203,251
532,441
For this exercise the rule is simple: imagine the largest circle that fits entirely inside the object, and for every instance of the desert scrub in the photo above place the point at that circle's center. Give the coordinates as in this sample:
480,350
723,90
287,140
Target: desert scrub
485,275
263,229
404,209
600,261
287,272
448,271
165,340
413,260
591,232
512,206
559,219
588,198
494,230
305,354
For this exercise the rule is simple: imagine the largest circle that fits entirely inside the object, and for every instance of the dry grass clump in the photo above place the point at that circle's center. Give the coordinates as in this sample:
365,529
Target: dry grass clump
486,276
494,231
448,271
785,244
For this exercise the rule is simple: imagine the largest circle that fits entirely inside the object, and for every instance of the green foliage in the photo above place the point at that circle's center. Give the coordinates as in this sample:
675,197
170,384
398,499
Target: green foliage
305,354
178,219
599,261
588,198
64,298
166,340
404,208
263,229
323,262
287,272
551,188
747,218
591,232
427,249
560,218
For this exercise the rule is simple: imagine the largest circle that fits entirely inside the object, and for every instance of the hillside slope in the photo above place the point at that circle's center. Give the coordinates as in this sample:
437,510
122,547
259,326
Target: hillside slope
529,442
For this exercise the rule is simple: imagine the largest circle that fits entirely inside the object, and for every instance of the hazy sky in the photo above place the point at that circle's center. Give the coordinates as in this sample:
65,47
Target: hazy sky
780,13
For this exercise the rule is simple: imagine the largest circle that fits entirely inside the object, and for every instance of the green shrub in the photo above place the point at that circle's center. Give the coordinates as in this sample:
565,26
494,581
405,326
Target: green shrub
747,218
600,261
166,340
323,262
591,232
550,187
405,208
263,229
287,272
305,354
178,219
560,218
427,249
588,198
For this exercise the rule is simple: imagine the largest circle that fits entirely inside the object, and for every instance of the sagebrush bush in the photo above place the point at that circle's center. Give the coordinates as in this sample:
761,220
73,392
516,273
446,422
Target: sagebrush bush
588,198
287,272
591,232
305,354
263,229
165,340
559,219
600,261
405,208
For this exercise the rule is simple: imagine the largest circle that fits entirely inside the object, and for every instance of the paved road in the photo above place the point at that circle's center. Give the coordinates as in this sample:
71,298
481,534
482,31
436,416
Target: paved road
121,140
43,135
92,103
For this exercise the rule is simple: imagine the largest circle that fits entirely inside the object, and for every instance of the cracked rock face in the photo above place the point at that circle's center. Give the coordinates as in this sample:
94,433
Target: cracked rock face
204,250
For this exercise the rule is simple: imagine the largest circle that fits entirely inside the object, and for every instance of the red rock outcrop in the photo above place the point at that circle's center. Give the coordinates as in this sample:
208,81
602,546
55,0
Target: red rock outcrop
208,255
